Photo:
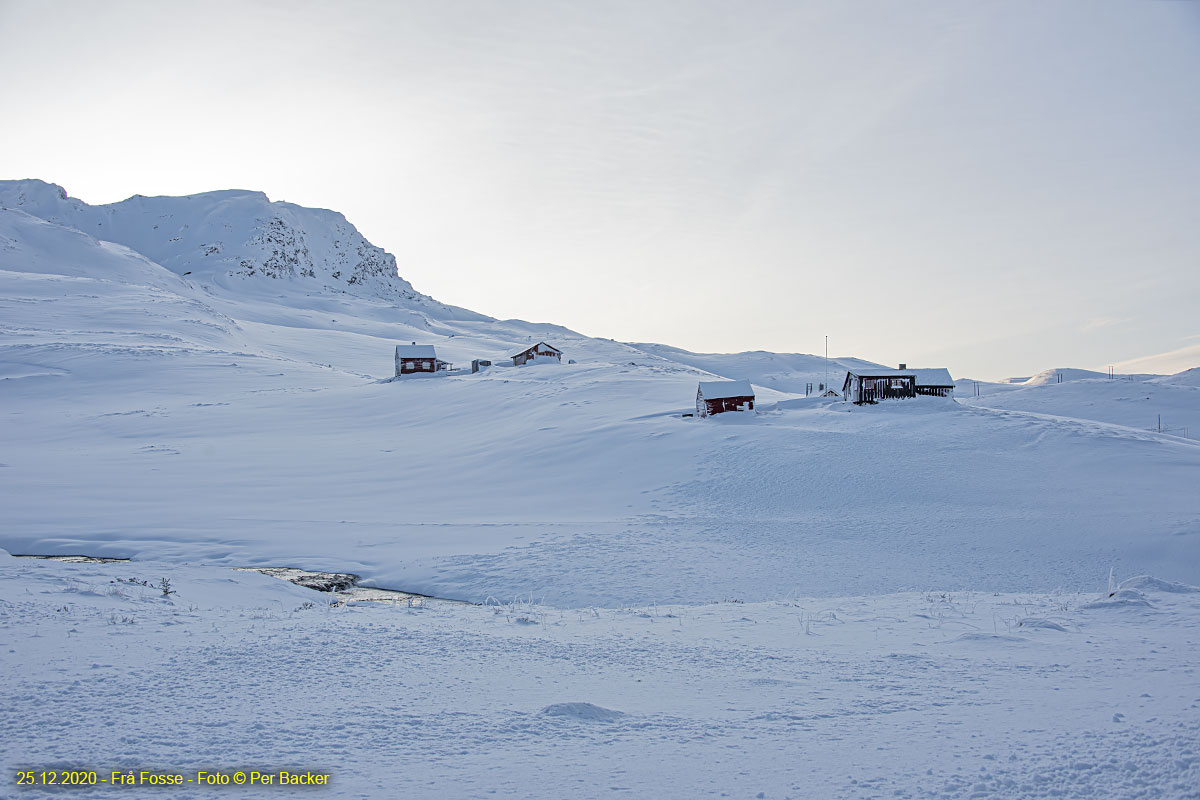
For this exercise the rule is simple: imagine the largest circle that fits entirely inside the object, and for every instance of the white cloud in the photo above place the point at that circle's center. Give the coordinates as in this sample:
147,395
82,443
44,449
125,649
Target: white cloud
1096,323
1165,363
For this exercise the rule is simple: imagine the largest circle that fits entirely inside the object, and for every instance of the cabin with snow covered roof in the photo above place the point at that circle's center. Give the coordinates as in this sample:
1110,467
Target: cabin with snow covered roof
717,397
872,385
540,352
415,359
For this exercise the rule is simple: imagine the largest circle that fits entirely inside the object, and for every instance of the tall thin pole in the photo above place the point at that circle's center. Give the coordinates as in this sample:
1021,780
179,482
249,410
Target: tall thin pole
827,361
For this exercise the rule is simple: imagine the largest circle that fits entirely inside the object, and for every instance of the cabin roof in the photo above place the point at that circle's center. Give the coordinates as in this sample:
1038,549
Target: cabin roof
415,351
883,373
535,346
718,390
938,376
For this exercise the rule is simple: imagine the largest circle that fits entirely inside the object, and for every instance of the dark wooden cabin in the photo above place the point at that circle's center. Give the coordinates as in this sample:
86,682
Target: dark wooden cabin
415,359
873,385
539,352
717,397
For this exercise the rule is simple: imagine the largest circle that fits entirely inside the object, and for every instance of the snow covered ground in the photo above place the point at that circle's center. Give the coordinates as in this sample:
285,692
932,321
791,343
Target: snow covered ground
930,694
815,600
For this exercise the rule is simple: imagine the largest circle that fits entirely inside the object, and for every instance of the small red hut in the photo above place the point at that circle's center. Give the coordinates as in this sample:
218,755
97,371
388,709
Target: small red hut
716,397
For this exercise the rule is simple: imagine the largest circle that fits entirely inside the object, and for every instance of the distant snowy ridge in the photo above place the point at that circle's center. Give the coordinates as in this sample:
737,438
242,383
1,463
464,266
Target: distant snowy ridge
238,240
784,372
1060,374
1189,377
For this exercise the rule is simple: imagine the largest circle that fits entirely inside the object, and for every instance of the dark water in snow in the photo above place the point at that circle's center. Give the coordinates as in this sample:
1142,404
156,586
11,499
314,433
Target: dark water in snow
343,585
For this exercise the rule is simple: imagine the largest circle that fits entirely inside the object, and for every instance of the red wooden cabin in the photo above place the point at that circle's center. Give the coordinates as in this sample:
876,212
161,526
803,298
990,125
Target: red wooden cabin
415,359
717,397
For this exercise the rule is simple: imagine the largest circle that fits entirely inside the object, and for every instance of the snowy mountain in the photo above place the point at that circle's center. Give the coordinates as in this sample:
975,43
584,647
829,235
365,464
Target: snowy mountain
234,406
228,238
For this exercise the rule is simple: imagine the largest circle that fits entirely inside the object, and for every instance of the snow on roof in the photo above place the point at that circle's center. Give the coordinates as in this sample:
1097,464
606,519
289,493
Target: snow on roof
883,373
415,351
938,376
716,390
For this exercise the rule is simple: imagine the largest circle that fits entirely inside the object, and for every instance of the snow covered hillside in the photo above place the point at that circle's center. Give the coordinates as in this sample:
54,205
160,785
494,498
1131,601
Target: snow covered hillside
1189,377
161,402
1168,403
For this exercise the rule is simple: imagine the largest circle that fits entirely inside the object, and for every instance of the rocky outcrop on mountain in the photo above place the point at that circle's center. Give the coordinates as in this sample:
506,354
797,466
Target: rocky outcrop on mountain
233,239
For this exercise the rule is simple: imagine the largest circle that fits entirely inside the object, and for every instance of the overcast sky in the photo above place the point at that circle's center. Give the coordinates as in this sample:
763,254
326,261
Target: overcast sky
997,187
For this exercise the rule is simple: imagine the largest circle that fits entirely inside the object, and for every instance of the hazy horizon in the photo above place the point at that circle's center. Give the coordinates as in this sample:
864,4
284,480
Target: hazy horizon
997,188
